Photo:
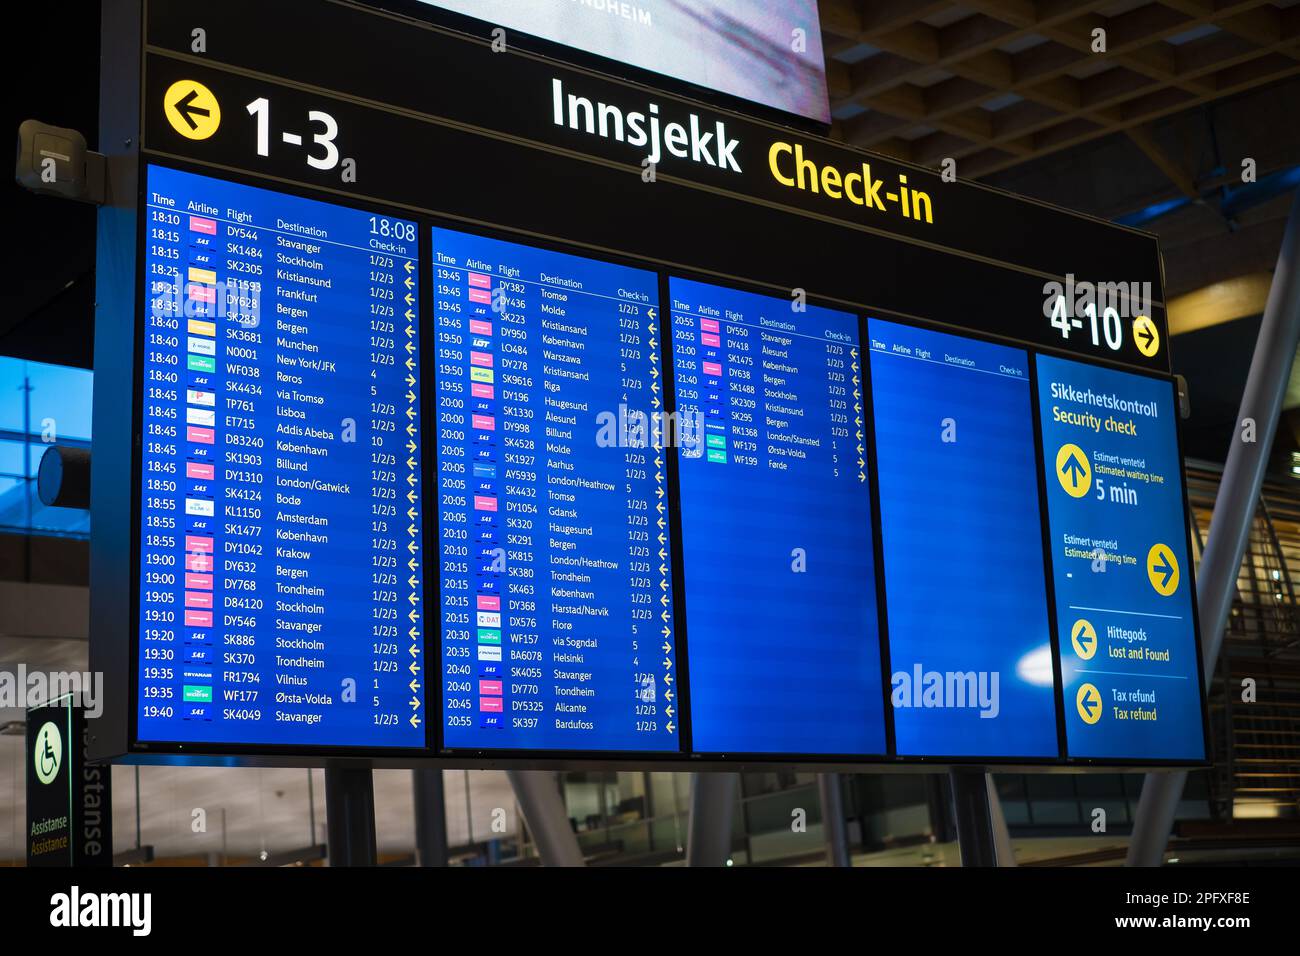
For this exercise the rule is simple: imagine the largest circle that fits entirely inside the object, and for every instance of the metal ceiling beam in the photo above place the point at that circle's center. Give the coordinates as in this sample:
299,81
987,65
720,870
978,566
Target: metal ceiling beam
1149,77
1142,138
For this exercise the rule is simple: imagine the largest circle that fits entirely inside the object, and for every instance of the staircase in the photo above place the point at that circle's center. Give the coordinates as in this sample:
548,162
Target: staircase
1256,745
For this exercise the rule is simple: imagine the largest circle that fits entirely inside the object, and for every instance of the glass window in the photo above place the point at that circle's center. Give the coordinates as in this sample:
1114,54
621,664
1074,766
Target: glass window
11,458
60,398
39,405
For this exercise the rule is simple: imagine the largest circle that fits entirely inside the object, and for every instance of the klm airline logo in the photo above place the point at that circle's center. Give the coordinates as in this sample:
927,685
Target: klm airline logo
693,139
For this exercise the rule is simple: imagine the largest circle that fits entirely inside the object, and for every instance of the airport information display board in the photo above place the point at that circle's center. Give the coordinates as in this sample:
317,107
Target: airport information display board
960,532
281,469
1115,503
458,431
775,500
549,587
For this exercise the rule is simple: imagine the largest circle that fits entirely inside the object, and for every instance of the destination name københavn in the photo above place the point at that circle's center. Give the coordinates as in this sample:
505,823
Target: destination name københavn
708,144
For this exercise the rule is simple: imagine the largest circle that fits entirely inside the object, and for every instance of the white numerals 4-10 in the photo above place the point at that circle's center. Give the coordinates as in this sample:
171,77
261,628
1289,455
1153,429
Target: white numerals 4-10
1110,326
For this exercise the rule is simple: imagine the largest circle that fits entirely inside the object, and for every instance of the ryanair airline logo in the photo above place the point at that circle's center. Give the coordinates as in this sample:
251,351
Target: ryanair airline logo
699,141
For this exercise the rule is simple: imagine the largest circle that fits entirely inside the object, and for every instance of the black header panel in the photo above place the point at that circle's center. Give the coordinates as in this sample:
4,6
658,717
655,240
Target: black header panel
438,122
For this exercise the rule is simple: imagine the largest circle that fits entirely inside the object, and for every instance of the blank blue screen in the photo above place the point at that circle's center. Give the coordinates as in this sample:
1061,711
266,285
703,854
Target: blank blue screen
962,546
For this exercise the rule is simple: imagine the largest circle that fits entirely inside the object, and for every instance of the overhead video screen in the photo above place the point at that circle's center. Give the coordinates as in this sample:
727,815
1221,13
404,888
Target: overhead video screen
767,53
281,512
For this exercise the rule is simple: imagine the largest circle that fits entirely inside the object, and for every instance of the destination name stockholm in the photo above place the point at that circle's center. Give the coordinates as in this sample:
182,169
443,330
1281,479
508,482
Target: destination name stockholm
708,144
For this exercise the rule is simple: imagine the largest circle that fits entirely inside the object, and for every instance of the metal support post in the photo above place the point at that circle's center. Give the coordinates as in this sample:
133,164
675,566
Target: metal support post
973,816
708,834
1003,852
833,823
543,808
1234,511
350,816
430,817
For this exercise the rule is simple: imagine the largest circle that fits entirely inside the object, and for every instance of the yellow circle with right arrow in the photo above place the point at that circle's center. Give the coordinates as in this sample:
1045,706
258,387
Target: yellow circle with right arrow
1162,569
1084,639
1146,336
191,109
1073,470
1088,702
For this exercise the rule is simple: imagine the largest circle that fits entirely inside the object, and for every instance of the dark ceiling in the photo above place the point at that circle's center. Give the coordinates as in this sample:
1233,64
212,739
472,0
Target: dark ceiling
993,83
48,289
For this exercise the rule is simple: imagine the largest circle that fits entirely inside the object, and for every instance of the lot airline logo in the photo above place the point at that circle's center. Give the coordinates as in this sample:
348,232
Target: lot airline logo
660,138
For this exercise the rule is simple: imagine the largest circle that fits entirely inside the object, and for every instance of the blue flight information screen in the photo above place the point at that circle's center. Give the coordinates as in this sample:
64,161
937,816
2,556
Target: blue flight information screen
781,618
1118,533
744,525
969,641
557,626
281,593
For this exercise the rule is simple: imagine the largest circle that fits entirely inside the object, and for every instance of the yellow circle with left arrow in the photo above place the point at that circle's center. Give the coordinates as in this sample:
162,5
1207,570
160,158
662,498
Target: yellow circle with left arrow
1088,702
1084,639
1073,470
1162,569
1146,336
191,109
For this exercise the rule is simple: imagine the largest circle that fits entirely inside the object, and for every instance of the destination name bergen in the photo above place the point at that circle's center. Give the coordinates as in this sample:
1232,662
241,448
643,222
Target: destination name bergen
696,141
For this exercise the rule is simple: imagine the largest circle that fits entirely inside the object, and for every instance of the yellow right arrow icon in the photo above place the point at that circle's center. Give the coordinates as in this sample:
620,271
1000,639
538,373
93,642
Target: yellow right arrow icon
1162,569
1146,335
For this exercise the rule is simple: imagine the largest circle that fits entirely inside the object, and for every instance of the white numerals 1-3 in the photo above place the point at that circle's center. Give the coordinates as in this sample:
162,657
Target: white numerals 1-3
260,109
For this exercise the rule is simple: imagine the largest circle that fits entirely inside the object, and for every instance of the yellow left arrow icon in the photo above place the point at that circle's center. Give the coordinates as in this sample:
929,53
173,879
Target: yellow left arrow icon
1088,702
1084,639
191,109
